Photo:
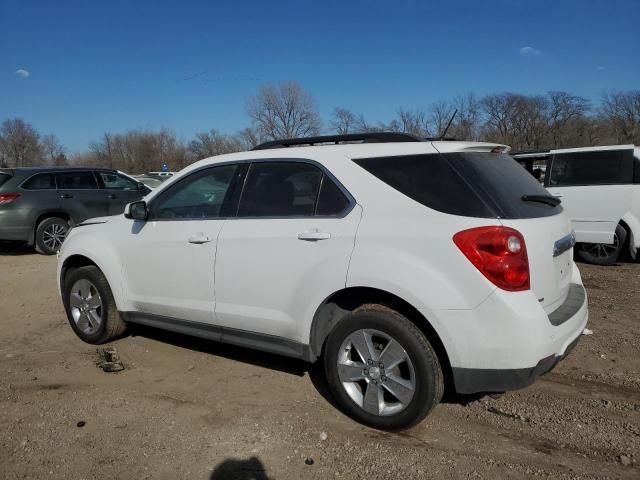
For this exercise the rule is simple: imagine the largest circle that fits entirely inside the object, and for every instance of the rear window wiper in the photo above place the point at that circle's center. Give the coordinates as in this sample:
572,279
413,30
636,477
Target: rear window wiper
548,199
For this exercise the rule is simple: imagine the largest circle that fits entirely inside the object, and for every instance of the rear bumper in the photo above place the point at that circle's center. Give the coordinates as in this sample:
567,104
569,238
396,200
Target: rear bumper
509,340
470,380
15,225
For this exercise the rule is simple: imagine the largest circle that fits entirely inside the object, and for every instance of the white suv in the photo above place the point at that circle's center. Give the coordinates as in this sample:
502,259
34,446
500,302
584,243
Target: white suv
406,265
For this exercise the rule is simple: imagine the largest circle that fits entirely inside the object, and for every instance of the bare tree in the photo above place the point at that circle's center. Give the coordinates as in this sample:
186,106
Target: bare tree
414,122
466,124
53,151
212,143
622,110
19,144
563,110
440,113
343,121
282,111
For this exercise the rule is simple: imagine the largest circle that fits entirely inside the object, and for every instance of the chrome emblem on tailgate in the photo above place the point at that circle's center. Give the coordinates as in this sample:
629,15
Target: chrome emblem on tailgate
564,244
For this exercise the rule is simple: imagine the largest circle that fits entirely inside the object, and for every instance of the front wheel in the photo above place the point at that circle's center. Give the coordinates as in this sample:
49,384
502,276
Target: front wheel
91,308
602,253
382,370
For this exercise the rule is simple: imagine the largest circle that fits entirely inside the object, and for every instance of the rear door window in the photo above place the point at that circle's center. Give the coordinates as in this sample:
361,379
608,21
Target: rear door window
472,184
608,167
280,189
76,181
40,181
331,200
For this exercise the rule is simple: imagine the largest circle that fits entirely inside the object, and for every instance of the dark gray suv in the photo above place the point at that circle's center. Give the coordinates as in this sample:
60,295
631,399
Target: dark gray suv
39,205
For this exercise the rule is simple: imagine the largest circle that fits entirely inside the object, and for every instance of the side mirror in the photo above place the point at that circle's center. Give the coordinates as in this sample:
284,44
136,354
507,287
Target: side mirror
136,210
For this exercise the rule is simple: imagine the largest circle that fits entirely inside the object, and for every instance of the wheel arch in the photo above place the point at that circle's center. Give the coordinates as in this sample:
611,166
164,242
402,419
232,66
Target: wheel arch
632,224
342,302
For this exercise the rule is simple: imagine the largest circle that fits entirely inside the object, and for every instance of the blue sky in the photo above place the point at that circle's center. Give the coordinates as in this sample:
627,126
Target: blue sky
80,68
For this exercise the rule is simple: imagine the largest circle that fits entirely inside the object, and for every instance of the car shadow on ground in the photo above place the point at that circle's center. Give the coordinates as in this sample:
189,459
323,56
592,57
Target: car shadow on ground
291,366
233,469
15,249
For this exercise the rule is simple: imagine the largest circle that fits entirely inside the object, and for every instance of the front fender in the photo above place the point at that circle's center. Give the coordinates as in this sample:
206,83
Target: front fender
85,242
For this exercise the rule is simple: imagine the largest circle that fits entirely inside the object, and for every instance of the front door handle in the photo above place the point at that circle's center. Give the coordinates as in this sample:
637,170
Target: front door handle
66,195
199,239
314,236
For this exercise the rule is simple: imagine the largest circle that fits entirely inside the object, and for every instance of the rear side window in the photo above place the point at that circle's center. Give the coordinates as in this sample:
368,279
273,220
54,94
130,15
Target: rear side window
76,181
471,184
592,168
41,181
280,189
331,200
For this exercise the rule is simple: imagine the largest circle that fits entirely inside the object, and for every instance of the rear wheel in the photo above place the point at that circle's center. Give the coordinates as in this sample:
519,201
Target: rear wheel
91,309
382,370
50,234
602,253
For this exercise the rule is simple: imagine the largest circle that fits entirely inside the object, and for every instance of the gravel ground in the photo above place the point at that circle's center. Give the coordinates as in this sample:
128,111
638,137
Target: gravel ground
185,408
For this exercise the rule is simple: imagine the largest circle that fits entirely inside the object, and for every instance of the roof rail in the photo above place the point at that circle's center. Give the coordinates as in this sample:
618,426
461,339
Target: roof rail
374,137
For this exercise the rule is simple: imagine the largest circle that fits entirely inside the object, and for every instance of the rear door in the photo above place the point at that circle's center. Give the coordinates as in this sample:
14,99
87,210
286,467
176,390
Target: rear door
596,190
80,195
288,248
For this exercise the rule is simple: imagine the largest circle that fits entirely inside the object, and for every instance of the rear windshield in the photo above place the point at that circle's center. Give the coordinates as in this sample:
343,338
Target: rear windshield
470,184
4,177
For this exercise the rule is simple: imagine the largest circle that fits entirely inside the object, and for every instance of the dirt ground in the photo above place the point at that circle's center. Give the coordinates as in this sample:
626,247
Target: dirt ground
185,408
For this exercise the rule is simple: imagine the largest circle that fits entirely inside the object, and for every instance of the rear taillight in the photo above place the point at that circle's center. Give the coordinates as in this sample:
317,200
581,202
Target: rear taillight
8,197
499,253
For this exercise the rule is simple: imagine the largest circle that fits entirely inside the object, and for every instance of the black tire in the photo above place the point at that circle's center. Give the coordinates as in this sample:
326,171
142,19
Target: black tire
48,233
427,373
602,254
110,325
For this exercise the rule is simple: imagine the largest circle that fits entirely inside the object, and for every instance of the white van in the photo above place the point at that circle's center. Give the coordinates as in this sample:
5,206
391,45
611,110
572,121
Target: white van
600,192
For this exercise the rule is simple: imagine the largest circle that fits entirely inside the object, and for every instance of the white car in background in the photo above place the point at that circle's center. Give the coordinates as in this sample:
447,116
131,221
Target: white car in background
406,265
600,192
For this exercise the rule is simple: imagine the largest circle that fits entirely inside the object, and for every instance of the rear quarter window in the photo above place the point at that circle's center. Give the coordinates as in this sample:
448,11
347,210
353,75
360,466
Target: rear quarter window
471,184
40,181
4,177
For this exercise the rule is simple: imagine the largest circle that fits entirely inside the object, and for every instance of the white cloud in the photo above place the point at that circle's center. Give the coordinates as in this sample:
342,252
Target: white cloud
529,51
601,67
22,73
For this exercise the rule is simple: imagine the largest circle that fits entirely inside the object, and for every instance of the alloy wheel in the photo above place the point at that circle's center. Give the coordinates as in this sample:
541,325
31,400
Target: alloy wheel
54,235
376,372
86,306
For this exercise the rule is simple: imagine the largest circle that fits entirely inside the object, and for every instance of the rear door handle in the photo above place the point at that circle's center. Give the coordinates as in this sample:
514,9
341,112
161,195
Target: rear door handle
66,195
111,196
314,236
198,239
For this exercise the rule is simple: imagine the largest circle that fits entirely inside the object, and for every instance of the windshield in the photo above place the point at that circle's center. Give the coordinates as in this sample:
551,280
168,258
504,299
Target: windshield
472,184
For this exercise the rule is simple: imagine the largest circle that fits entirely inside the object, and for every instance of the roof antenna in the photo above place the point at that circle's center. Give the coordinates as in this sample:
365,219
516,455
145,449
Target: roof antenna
441,137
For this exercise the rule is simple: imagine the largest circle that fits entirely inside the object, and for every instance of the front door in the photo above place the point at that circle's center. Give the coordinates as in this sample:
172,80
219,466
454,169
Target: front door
168,261
119,190
288,248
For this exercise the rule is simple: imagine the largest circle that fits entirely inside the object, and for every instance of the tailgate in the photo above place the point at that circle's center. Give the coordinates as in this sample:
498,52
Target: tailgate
548,241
